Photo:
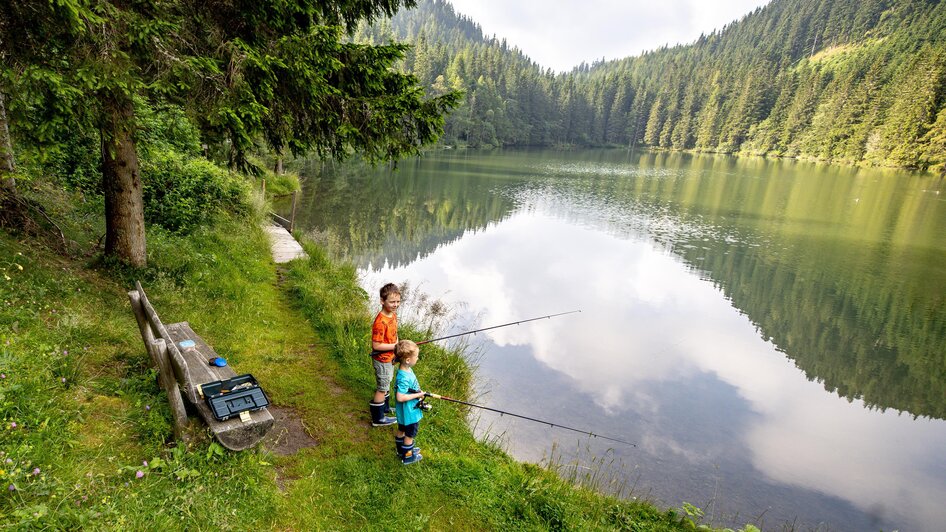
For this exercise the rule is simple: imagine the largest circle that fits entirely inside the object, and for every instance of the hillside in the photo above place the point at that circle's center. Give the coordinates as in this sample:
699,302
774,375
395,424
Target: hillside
847,81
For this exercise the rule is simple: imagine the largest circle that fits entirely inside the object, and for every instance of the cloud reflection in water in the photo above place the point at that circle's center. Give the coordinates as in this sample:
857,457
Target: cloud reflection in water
671,364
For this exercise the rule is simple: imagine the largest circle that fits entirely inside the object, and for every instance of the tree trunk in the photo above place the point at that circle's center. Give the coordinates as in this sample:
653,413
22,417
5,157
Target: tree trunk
7,165
124,202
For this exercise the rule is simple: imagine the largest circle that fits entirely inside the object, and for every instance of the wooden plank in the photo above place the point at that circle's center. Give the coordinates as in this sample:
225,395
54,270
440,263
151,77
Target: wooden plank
233,433
177,361
284,246
199,369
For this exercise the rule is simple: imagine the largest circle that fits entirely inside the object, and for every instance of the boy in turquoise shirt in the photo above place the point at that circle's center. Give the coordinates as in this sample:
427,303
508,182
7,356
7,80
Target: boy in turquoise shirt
408,394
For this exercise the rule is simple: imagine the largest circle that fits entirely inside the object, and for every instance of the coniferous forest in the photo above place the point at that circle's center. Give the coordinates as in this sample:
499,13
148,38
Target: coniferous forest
846,81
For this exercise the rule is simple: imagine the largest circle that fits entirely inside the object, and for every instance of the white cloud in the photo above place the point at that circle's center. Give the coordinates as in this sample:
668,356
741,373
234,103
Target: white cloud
561,34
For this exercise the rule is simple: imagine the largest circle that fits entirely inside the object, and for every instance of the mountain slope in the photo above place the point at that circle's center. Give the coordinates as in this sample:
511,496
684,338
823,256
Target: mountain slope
857,82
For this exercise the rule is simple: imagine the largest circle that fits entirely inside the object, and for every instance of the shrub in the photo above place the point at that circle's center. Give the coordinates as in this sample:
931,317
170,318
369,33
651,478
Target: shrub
166,128
181,191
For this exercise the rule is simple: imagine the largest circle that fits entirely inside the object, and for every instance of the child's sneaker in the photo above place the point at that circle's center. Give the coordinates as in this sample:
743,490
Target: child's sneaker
413,457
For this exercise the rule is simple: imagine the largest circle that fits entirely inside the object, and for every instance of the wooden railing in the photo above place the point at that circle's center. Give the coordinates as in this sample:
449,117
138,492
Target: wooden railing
288,223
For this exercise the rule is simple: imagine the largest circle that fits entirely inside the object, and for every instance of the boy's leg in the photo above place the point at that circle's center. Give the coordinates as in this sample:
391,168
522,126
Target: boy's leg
378,419
383,372
387,401
411,451
399,442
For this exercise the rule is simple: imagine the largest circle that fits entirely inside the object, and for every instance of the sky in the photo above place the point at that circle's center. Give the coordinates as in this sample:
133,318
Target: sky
560,34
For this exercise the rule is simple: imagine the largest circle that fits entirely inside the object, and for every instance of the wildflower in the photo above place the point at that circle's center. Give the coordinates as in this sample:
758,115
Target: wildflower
65,352
12,488
13,425
147,407
9,461
63,380
35,471
4,375
139,474
145,463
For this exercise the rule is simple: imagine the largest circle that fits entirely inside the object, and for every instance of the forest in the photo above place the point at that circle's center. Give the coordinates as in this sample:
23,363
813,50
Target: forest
97,95
844,81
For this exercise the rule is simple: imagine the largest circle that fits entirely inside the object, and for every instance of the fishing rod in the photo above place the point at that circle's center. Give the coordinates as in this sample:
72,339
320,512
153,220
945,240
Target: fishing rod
496,327
549,423
373,352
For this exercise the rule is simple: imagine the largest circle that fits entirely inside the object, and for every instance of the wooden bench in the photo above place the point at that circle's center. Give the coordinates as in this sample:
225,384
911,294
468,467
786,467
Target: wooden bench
182,372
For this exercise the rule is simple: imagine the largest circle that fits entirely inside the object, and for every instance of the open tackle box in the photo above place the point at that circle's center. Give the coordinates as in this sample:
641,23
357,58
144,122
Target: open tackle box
238,395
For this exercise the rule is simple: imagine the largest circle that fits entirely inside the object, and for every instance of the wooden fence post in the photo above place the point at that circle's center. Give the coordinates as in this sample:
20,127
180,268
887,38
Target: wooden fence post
292,217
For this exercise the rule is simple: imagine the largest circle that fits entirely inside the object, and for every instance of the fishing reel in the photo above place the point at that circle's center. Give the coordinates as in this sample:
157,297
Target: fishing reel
421,404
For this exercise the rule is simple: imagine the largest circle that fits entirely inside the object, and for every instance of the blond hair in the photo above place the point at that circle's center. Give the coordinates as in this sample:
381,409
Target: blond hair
405,349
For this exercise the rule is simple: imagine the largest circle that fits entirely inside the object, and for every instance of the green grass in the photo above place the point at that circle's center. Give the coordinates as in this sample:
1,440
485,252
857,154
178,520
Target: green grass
90,417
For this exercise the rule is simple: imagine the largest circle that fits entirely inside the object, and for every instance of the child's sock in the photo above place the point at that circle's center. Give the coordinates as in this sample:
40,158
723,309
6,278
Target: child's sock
399,445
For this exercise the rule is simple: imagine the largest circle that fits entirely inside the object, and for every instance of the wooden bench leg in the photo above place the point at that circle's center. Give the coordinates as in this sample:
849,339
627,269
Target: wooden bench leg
158,350
160,354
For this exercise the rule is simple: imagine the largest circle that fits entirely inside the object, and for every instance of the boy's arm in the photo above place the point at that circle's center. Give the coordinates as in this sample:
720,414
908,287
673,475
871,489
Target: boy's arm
404,397
378,346
404,391
377,335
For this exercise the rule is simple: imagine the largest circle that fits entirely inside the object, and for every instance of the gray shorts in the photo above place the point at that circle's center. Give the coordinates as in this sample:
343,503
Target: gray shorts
383,373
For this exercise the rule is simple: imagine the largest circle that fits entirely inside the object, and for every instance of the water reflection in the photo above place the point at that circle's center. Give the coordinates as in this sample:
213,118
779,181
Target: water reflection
705,285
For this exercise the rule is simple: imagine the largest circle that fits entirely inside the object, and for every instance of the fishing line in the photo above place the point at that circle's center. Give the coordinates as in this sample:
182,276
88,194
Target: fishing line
373,353
496,327
549,423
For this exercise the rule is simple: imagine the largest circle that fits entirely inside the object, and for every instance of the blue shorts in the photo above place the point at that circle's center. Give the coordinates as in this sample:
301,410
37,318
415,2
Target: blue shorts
410,431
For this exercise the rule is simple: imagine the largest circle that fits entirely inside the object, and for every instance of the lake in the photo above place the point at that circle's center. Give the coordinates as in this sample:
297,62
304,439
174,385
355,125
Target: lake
771,335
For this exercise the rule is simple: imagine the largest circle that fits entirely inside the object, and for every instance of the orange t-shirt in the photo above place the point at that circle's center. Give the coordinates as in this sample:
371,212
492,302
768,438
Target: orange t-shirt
384,330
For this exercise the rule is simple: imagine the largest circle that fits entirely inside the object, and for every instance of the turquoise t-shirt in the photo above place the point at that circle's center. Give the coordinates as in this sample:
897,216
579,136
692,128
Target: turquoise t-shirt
407,412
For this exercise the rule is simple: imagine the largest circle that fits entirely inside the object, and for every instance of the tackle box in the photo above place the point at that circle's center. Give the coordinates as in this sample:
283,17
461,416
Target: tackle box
233,396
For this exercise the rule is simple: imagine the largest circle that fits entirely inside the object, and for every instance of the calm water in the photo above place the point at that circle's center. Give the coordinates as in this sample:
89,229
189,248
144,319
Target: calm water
771,335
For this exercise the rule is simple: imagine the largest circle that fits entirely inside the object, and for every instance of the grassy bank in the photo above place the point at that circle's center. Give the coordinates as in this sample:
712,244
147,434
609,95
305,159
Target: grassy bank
86,432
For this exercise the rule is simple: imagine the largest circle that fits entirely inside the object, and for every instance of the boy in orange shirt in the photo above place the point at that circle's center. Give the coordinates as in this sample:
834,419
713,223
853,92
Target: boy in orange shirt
383,340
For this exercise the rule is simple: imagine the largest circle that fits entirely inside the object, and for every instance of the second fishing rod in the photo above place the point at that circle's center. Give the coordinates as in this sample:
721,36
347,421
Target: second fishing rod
424,406
373,353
